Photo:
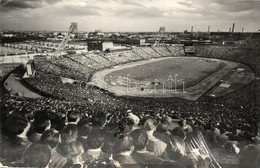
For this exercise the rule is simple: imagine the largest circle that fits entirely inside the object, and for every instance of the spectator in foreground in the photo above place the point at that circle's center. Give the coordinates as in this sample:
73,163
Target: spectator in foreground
249,156
94,143
16,142
39,127
37,155
141,155
175,148
68,135
124,150
52,138
73,118
75,155
156,146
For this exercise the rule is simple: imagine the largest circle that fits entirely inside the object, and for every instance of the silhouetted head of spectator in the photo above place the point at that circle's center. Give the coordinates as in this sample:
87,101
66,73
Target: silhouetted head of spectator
111,129
109,144
150,124
125,144
127,125
37,155
51,137
84,128
73,116
99,120
222,130
16,125
40,115
69,134
95,139
58,122
182,123
144,117
41,125
163,126
179,132
175,148
140,138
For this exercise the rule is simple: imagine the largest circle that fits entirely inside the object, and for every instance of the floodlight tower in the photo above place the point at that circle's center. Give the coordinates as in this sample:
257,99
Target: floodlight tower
159,36
72,29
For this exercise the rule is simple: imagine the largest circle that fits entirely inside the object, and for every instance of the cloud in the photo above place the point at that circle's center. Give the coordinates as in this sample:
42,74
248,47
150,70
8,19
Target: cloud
140,12
52,1
132,3
128,15
24,4
18,4
186,4
77,10
238,6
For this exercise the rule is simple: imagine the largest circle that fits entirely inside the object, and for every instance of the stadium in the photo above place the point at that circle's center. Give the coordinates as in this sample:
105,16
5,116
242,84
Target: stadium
214,89
172,77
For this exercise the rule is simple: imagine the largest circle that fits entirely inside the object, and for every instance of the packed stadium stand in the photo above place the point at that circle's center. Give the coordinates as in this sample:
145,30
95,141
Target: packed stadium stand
227,123
176,50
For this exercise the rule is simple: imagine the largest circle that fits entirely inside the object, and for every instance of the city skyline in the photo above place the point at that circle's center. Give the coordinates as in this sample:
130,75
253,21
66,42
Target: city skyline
129,16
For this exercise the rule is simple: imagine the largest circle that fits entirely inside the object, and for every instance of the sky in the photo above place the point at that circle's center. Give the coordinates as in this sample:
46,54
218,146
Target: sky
130,15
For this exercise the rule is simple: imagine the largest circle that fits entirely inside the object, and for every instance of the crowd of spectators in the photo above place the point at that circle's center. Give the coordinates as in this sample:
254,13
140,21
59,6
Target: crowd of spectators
158,131
48,81
100,59
75,133
150,51
176,51
86,61
162,50
116,57
140,52
73,65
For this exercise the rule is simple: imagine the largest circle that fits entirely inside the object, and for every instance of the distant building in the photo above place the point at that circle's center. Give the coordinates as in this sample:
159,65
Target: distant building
228,43
30,68
107,46
137,42
94,45
99,45
81,36
8,35
190,50
40,58
98,31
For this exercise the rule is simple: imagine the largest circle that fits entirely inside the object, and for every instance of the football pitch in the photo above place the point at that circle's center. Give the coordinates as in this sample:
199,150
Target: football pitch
183,77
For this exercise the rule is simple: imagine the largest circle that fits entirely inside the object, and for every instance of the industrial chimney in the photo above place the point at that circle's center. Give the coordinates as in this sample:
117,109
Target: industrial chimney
233,28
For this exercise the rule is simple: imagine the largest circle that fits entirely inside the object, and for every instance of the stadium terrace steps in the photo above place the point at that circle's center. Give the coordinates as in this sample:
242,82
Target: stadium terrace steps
69,64
152,53
138,57
87,61
131,56
176,50
80,63
100,59
162,50
116,57
53,68
141,53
